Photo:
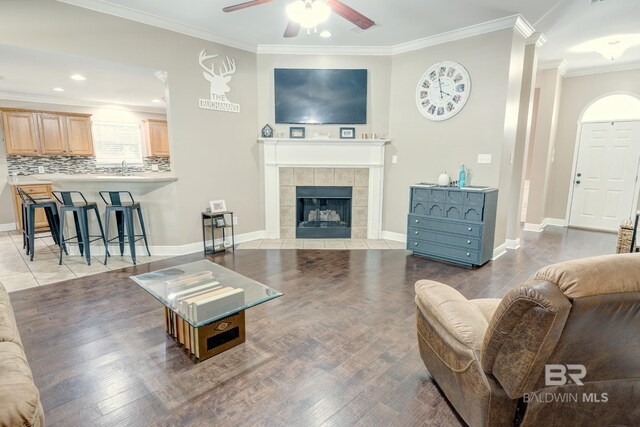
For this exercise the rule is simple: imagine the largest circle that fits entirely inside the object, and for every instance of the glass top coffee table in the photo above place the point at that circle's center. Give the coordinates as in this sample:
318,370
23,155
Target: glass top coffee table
204,304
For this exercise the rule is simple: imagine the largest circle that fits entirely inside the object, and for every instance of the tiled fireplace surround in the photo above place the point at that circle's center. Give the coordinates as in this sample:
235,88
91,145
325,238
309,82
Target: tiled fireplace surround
357,178
355,163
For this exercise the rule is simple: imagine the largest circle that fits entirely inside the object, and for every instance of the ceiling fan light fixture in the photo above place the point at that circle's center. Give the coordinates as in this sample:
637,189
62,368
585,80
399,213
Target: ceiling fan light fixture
308,13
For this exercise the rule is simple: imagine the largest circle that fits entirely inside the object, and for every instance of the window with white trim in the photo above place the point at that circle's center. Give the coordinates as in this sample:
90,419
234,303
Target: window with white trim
114,142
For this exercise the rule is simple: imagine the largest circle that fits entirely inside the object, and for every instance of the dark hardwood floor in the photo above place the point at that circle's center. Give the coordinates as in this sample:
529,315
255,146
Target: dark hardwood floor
338,349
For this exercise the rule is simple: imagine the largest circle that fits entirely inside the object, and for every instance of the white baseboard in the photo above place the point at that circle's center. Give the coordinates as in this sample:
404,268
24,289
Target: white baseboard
396,237
168,250
536,228
556,222
513,243
499,251
8,227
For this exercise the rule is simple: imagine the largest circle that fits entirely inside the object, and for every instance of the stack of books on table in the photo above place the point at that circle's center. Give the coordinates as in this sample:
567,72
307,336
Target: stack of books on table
206,300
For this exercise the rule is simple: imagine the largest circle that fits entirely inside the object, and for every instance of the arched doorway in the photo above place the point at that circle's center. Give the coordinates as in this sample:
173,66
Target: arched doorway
604,184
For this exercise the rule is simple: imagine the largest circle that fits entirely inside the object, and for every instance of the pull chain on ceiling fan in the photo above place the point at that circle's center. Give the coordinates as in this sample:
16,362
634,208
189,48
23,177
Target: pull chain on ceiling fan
310,13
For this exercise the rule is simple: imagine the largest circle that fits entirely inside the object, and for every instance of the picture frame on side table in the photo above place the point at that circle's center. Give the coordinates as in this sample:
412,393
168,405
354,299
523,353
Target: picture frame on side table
347,133
220,222
218,206
296,132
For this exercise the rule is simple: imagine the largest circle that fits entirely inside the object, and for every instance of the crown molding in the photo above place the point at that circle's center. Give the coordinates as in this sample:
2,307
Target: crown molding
605,68
523,26
539,39
104,6
39,99
560,64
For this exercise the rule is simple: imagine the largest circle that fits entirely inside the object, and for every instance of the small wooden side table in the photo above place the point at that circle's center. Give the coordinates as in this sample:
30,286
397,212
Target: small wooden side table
210,219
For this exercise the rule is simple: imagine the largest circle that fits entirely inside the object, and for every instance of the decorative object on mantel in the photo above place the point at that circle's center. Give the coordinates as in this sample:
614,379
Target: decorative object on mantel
296,132
365,136
267,132
321,135
218,86
347,133
443,90
218,206
444,180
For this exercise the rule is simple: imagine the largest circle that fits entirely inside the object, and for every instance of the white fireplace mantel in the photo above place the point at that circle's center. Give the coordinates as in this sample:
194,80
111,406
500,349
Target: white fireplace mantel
323,153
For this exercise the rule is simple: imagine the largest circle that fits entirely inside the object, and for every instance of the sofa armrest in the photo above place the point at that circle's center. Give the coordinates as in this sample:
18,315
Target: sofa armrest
459,316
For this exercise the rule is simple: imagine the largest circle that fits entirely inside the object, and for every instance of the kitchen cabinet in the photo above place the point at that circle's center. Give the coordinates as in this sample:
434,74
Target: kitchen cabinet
20,133
51,133
79,139
157,137
35,191
35,133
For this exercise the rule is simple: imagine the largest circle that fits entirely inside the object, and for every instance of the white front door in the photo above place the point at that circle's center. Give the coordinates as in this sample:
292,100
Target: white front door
606,173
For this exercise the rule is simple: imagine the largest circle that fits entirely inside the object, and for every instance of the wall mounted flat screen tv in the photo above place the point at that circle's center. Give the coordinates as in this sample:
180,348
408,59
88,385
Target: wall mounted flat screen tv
327,97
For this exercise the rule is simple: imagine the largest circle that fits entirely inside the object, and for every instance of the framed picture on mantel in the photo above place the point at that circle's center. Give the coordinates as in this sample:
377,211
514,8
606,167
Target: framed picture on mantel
296,132
347,133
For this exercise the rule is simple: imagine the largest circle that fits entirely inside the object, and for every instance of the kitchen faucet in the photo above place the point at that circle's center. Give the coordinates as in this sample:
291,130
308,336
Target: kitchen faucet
125,169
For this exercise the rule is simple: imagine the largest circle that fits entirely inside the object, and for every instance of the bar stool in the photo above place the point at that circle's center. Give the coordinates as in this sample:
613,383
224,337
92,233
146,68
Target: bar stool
80,211
124,216
29,206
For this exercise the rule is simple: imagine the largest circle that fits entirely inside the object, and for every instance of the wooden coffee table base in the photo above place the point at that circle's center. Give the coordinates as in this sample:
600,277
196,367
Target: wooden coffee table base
208,340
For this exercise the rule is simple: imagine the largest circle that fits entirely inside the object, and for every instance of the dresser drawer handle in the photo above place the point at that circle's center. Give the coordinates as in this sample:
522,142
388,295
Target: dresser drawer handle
415,244
416,233
470,229
468,242
468,254
417,221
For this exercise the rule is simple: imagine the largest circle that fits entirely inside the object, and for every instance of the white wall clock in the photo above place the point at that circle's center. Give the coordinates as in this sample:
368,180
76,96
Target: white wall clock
443,90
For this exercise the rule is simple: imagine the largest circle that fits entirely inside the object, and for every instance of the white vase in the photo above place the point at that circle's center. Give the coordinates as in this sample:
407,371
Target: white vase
443,180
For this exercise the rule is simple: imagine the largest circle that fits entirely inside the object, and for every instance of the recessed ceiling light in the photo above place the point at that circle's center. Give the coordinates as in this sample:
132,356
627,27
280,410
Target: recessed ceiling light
58,89
78,77
157,101
326,34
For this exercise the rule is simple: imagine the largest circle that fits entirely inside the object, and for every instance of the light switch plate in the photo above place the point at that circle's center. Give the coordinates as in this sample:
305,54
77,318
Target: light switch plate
235,220
154,168
40,169
394,159
484,159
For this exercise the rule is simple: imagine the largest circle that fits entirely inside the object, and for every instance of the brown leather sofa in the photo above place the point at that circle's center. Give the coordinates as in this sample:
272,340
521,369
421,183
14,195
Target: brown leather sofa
490,357
19,398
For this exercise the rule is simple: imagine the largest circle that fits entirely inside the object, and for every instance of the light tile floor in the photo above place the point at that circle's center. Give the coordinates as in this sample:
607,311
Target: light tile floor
17,272
331,244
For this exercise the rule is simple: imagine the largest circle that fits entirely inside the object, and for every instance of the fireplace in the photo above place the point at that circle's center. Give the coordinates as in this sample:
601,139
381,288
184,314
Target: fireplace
323,212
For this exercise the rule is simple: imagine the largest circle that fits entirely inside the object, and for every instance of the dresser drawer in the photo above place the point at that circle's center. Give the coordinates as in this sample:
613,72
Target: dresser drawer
440,251
421,194
419,207
445,239
472,198
454,197
445,226
438,195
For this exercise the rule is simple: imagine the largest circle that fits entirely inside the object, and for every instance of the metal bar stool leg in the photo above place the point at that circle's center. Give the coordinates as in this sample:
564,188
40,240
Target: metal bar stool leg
107,220
84,226
131,234
104,239
24,229
144,231
79,235
31,219
61,235
120,224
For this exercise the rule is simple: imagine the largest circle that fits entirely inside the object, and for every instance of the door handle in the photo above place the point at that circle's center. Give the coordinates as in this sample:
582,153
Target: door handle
579,175
578,182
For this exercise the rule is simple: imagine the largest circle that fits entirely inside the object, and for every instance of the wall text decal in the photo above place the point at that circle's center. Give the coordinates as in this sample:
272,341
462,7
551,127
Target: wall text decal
218,84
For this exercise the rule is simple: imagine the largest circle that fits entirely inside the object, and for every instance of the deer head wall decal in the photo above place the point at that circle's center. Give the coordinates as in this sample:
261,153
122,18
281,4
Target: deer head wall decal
218,82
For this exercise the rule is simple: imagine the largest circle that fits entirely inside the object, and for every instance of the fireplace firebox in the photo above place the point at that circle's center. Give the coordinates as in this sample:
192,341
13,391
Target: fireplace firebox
323,212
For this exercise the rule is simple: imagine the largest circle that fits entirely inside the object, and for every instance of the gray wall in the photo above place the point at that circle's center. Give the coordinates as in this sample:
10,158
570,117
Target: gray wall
426,148
577,93
214,153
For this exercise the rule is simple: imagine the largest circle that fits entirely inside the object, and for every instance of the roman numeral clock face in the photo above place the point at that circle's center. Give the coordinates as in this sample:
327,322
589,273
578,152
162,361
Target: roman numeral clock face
443,91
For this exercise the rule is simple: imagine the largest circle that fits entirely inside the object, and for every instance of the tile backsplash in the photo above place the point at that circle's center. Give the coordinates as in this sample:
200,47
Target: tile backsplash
72,165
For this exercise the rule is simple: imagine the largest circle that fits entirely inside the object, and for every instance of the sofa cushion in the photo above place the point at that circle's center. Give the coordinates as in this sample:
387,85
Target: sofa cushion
19,398
464,320
8,327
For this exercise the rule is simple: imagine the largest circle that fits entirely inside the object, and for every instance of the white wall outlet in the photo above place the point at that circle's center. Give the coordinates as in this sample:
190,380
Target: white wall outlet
40,169
484,159
235,220
394,159
154,168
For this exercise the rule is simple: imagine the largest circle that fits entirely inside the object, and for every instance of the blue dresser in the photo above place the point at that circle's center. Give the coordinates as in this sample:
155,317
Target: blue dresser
452,224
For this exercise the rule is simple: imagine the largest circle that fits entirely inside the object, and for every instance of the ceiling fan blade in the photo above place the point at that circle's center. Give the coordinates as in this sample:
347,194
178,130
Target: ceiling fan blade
245,5
350,14
293,28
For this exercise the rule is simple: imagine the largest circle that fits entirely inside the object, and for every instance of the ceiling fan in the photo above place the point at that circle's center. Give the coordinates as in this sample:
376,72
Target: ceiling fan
309,13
